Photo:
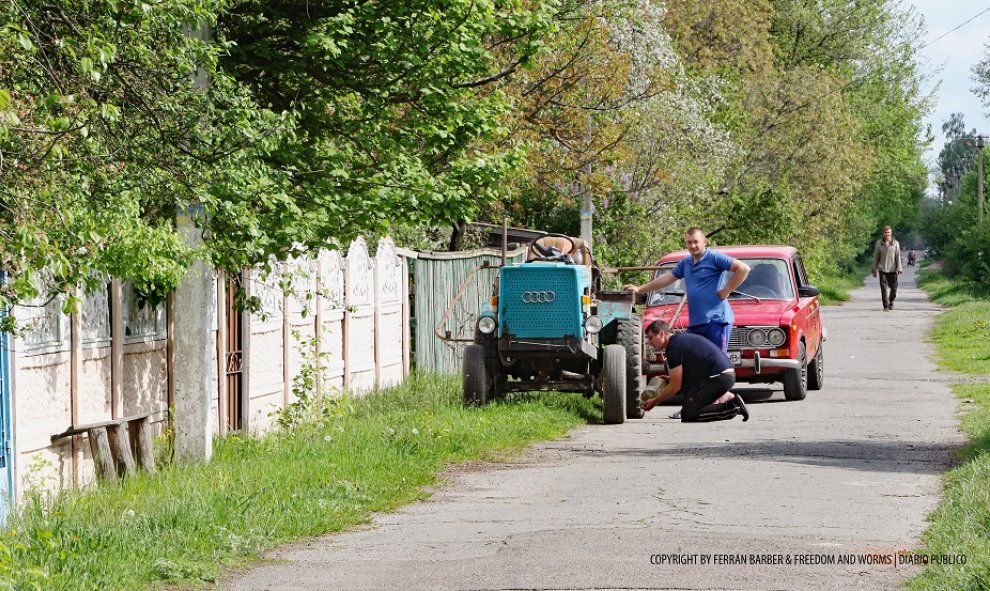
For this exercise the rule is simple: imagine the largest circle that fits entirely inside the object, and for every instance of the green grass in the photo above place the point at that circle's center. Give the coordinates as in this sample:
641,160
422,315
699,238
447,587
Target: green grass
962,335
374,454
836,289
961,523
950,292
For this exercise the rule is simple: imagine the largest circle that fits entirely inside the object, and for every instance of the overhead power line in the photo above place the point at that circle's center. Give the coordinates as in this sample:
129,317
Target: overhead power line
956,28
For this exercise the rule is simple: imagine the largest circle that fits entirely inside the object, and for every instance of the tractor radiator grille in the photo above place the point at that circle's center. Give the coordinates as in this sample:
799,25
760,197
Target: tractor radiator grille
540,301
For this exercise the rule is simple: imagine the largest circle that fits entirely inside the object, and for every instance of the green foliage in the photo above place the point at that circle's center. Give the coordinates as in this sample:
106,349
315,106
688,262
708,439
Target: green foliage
283,126
315,403
16,574
183,524
952,230
825,105
274,125
386,117
836,288
969,254
99,133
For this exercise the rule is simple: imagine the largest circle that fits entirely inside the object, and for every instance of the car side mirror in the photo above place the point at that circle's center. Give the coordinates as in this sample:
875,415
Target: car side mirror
808,291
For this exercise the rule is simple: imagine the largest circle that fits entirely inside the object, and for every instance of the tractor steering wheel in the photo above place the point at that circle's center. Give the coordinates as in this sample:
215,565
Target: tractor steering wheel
550,253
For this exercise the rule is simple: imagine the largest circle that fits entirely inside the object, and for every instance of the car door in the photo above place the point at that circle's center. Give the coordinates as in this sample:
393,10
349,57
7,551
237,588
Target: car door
810,309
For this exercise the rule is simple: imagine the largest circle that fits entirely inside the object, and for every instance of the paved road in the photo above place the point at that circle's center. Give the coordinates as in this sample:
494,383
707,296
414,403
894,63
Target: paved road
852,470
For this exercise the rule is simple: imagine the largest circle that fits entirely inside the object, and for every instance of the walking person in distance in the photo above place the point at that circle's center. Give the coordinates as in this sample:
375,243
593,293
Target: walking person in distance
887,262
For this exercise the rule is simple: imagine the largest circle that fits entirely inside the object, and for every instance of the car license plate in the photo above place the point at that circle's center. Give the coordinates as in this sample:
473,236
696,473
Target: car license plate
735,357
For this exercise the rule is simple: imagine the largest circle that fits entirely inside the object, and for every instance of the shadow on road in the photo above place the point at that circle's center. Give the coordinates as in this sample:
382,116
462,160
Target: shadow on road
869,456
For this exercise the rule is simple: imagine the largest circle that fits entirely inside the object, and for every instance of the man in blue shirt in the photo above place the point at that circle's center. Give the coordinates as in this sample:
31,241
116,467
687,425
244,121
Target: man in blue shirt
698,369
703,272
707,290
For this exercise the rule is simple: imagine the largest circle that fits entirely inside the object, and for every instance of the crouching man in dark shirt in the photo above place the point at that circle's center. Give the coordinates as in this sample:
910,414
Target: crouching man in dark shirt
698,369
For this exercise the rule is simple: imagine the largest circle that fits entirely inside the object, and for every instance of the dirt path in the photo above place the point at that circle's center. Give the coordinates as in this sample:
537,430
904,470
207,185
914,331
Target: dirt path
850,472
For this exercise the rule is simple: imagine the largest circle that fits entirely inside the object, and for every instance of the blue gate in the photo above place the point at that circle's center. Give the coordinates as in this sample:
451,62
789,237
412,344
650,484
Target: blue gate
6,458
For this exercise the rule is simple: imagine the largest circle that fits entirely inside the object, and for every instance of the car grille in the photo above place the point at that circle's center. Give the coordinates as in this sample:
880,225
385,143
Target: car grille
739,338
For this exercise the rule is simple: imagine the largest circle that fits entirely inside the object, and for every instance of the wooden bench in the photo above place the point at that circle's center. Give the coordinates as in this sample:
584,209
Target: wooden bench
115,444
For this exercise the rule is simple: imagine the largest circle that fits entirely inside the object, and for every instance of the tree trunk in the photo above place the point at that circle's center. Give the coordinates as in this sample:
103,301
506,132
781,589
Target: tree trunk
457,236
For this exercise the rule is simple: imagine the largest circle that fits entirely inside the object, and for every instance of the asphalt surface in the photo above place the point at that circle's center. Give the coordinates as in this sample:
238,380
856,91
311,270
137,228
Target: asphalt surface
849,474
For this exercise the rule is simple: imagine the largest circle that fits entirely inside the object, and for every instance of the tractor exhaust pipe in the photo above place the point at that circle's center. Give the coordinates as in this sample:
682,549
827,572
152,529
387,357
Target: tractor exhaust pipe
505,239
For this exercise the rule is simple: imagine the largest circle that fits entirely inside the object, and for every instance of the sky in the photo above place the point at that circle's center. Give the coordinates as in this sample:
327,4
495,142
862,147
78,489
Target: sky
949,61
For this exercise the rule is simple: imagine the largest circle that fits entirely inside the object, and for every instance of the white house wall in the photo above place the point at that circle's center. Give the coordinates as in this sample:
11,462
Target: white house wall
357,303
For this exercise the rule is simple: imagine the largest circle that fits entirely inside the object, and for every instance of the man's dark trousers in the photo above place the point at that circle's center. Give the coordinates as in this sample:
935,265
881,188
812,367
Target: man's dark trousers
888,282
699,400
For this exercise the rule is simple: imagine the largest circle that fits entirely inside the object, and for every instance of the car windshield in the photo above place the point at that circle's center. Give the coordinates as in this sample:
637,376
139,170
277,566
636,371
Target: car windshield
768,280
670,294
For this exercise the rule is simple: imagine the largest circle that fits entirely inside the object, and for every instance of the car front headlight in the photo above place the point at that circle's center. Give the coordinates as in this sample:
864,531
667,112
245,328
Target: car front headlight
757,338
776,337
486,324
593,324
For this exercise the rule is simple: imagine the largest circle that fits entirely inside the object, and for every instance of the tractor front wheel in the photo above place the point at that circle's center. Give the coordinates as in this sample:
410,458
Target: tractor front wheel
475,376
614,377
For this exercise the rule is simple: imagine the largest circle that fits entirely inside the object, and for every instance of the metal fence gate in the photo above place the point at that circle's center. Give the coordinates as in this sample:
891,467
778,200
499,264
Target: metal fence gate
6,455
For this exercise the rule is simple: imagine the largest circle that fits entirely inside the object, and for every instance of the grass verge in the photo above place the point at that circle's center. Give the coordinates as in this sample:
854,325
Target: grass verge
960,526
184,523
836,289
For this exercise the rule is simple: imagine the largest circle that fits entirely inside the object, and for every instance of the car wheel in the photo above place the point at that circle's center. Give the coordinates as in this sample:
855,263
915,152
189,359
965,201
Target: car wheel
796,380
631,339
475,376
614,384
816,369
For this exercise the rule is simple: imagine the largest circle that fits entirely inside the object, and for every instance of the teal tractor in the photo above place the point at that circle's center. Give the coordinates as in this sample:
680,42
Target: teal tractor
549,327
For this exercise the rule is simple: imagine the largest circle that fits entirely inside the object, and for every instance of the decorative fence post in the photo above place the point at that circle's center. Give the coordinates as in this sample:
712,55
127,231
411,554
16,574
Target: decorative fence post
389,321
359,318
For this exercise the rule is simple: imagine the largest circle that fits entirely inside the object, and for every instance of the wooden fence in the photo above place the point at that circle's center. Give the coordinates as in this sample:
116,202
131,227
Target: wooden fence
439,278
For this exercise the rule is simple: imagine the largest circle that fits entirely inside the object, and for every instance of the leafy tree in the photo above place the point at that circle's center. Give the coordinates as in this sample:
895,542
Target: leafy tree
289,125
607,110
389,117
100,138
825,107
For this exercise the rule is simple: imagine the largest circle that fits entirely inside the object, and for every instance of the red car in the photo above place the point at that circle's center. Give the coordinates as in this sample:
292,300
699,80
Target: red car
778,333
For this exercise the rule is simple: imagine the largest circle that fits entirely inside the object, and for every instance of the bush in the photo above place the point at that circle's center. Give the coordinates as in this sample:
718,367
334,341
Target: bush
968,256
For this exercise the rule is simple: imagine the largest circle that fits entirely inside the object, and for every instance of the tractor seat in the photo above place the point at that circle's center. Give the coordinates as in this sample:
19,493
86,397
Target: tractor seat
581,254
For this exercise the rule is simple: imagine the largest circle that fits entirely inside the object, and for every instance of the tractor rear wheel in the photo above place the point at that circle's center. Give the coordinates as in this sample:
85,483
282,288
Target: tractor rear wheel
631,338
614,375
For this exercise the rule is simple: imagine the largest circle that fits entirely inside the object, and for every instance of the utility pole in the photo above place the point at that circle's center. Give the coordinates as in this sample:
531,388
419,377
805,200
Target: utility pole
586,212
979,179
195,301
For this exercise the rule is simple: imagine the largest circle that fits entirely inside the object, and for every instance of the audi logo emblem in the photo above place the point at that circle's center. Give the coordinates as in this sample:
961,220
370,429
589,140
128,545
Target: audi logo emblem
539,297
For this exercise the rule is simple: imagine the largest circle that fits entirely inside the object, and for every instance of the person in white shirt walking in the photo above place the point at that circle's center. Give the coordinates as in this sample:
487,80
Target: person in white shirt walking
887,262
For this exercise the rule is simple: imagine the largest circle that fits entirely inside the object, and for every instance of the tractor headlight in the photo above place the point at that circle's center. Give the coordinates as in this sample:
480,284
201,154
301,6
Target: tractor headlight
486,324
776,337
593,324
